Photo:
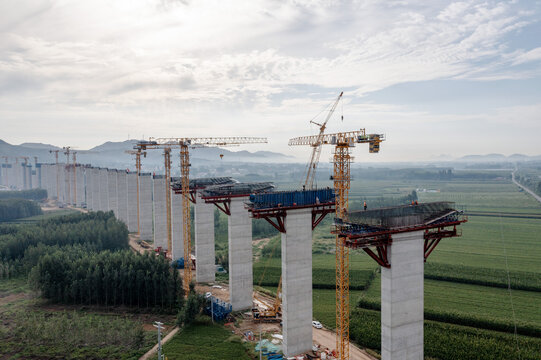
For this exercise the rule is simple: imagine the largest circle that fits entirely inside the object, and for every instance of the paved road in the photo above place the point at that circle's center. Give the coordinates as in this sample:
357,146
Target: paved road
537,197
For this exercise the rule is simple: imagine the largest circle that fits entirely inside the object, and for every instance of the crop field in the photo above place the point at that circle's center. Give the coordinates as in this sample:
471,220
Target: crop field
468,308
204,340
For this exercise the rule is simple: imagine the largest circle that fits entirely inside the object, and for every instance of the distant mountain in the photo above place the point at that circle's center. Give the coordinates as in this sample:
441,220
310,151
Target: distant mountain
115,146
113,154
498,158
40,146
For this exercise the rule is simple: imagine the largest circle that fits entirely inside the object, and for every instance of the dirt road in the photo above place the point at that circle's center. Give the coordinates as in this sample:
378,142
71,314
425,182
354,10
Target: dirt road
327,339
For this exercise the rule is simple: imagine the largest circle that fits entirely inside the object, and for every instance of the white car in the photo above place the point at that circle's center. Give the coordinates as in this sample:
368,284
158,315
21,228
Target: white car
317,324
208,294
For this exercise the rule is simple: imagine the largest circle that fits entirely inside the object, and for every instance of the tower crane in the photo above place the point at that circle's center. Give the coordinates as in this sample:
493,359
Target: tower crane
184,143
57,176
342,142
137,154
316,147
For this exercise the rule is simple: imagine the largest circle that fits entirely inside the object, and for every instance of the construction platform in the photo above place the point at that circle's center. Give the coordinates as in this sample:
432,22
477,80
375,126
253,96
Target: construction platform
273,206
374,228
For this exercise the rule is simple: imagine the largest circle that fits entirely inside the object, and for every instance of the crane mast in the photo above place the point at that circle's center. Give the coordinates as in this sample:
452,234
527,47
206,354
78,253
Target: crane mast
316,147
341,175
183,144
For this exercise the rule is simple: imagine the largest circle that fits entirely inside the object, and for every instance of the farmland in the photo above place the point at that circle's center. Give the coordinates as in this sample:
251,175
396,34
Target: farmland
466,278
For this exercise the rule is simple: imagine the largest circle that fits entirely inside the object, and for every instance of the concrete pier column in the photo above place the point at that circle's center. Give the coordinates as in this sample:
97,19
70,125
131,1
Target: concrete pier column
240,255
297,282
80,193
104,190
89,188
112,191
402,299
96,196
122,195
160,215
205,268
176,218
33,178
61,168
145,203
131,185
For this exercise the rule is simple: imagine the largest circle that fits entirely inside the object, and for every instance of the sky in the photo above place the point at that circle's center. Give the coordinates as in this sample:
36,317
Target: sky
438,78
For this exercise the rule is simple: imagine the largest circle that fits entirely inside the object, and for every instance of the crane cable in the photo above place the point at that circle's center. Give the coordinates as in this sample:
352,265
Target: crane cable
509,286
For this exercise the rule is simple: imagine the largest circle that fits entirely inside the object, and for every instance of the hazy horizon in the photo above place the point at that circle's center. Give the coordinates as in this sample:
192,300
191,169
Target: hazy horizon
436,78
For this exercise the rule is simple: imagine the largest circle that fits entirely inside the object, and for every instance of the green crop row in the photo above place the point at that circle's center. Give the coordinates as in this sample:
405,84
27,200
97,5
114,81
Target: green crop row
321,278
466,320
449,341
520,280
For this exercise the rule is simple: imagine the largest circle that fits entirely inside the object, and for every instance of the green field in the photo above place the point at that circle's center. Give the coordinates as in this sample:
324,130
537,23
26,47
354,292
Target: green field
466,278
204,340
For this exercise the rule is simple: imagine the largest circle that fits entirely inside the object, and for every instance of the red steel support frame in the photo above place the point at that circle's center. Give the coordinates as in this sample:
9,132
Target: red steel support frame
380,241
276,216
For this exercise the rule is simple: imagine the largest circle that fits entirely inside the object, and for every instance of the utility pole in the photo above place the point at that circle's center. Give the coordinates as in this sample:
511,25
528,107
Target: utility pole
159,326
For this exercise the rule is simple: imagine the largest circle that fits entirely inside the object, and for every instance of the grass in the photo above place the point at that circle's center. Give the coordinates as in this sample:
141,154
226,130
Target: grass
30,330
203,340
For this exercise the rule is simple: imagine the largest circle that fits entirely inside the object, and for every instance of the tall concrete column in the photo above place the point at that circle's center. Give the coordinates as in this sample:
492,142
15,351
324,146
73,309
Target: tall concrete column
205,268
96,186
145,203
104,190
297,282
112,191
178,236
89,188
51,181
61,183
160,216
122,194
402,299
131,188
240,255
33,178
80,197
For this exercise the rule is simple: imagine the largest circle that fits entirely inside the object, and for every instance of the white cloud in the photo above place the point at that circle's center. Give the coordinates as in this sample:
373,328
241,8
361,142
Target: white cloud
206,62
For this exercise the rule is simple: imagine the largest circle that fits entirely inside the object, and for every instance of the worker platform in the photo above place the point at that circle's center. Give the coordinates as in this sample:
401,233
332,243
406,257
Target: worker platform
374,228
221,195
200,184
273,206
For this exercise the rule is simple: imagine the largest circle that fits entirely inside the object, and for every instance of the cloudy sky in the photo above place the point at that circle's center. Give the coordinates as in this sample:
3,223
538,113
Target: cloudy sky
437,77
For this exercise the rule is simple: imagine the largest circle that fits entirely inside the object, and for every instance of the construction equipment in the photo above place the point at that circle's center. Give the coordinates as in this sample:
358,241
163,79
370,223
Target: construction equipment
184,144
272,314
341,176
316,148
137,154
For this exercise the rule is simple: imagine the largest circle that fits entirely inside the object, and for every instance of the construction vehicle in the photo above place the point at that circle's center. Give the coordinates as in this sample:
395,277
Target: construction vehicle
272,314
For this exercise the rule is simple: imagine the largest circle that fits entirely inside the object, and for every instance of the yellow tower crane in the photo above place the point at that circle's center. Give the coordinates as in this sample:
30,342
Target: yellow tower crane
184,144
137,154
342,141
